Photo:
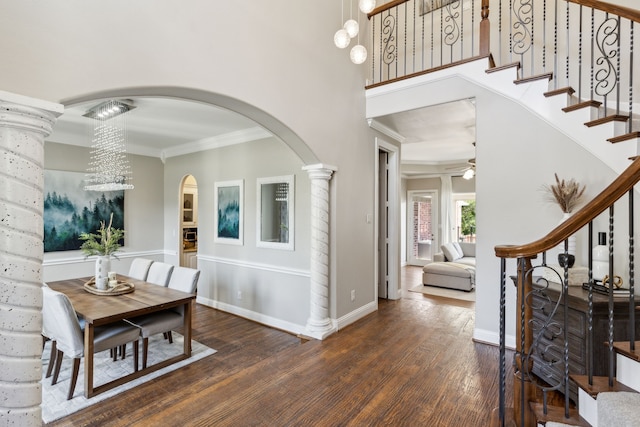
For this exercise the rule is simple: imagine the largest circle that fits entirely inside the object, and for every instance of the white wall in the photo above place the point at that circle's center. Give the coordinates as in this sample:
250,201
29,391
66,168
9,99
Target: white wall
274,61
517,153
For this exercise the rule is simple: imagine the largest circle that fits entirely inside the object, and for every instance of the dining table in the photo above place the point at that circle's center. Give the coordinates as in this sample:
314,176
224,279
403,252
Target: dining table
98,309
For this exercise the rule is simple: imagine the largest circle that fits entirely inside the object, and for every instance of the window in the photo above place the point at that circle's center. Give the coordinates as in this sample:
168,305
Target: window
465,211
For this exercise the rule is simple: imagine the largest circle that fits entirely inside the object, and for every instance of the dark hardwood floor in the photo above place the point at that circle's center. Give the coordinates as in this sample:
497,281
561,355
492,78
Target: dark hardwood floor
411,363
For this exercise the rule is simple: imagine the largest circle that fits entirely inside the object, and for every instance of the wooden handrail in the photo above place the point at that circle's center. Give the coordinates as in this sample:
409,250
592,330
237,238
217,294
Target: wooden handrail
618,188
624,12
384,7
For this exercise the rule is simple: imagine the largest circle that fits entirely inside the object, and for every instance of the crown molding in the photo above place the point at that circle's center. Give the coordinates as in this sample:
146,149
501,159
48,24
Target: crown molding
373,124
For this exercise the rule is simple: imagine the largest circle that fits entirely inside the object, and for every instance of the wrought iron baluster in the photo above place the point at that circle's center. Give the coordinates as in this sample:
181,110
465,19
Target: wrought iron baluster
522,30
387,41
451,29
544,37
503,362
555,43
521,291
631,28
414,37
593,54
580,58
632,308
473,27
565,300
610,308
618,57
590,307
606,76
404,66
568,46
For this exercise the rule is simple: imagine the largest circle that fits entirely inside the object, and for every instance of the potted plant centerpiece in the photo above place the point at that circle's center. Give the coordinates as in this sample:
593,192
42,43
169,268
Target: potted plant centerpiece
102,244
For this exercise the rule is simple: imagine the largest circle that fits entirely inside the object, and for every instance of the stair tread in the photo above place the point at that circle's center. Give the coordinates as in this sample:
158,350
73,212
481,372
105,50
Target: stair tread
545,76
556,414
503,67
625,137
600,385
624,348
608,119
562,91
580,105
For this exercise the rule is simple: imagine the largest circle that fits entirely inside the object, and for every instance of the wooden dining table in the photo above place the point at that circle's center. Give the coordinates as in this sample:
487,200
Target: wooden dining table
99,310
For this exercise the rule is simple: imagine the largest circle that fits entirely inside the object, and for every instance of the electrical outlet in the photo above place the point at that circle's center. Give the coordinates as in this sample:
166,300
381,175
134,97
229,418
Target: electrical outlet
353,294
239,294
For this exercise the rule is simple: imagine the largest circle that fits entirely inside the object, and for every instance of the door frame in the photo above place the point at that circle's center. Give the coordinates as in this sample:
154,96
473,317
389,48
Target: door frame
435,197
393,218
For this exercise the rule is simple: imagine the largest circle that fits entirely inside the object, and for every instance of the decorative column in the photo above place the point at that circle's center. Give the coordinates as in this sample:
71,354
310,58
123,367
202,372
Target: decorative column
319,324
24,123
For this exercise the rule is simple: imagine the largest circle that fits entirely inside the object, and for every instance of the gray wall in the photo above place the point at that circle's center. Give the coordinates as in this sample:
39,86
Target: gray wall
144,216
274,283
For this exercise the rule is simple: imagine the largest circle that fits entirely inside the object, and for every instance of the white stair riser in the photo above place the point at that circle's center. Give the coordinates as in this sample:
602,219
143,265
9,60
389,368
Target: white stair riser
628,372
588,407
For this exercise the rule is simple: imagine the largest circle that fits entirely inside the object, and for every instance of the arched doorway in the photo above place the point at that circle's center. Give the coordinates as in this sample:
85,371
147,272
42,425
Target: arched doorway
189,222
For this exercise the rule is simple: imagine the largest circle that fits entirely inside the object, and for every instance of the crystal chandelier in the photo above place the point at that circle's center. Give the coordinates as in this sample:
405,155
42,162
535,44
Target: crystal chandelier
109,168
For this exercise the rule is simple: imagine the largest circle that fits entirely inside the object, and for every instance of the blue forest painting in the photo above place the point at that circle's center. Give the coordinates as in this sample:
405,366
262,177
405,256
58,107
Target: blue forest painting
229,212
70,210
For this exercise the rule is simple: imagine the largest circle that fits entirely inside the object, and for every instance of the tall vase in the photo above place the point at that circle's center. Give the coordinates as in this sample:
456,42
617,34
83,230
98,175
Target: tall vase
103,265
571,247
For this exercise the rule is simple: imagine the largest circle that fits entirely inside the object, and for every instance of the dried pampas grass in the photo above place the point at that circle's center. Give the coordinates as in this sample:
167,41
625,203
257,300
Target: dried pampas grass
567,194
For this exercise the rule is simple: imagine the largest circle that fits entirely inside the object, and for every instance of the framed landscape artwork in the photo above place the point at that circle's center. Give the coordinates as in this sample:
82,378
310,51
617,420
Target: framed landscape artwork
70,210
427,6
228,204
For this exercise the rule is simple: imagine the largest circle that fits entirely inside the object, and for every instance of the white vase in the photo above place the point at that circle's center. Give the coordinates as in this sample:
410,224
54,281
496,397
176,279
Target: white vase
600,256
571,240
103,265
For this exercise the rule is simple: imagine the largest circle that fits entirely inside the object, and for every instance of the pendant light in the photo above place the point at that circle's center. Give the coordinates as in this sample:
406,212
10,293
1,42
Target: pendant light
358,53
342,37
367,6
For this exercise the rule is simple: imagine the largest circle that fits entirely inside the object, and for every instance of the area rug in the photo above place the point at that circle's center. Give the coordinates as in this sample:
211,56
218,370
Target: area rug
444,292
54,398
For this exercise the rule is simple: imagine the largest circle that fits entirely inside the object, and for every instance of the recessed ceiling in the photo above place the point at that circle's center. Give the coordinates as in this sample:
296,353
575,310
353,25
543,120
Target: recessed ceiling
161,126
433,137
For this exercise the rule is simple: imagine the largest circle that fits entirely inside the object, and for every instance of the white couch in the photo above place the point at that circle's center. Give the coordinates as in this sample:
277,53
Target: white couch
453,268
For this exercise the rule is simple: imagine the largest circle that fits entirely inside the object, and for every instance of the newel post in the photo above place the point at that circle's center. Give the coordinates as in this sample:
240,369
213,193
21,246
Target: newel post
485,29
319,325
24,124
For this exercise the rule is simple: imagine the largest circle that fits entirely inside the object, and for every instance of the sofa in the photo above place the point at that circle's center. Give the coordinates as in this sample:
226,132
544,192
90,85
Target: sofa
453,268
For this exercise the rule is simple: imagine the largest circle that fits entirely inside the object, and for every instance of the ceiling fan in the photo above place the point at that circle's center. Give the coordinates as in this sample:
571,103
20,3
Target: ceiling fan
468,172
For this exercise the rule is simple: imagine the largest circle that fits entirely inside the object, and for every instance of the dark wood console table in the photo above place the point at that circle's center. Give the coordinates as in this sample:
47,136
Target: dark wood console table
550,347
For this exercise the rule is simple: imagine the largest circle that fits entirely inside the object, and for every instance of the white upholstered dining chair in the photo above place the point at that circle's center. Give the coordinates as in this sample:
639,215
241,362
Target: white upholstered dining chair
62,324
183,279
139,268
160,273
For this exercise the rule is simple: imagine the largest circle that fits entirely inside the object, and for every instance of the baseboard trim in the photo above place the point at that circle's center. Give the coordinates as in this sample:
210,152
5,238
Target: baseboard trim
357,314
263,319
492,338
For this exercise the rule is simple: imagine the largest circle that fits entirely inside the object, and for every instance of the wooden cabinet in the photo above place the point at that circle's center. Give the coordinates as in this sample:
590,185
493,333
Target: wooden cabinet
548,356
190,259
189,206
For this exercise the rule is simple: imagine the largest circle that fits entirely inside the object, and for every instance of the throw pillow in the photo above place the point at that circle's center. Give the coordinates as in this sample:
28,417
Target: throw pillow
458,248
450,252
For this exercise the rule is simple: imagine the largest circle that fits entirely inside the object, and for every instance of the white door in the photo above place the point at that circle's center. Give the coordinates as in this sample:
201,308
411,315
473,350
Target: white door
422,226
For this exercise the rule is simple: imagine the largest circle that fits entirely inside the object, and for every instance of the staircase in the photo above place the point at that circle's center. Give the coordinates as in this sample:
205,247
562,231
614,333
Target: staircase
572,63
